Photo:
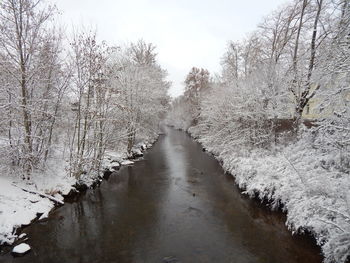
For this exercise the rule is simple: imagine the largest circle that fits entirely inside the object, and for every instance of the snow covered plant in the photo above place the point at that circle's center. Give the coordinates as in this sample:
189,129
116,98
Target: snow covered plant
120,97
33,82
320,203
334,71
67,111
70,103
186,109
142,91
294,69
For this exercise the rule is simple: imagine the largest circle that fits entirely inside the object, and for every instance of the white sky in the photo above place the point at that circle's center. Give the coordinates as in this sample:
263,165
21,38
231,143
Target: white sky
186,33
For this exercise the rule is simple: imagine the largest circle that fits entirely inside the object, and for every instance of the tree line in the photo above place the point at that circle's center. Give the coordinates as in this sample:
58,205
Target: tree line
295,65
277,117
71,98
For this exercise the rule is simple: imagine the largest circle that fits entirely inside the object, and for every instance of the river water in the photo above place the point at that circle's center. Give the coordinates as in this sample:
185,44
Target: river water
175,205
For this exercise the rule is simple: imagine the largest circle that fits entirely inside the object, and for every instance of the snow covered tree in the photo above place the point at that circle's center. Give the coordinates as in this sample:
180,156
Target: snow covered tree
35,79
196,83
333,72
89,64
231,62
142,88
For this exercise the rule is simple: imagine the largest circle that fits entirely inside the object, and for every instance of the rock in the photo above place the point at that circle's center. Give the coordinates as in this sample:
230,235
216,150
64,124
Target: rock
106,174
21,249
115,167
95,183
80,186
72,192
136,153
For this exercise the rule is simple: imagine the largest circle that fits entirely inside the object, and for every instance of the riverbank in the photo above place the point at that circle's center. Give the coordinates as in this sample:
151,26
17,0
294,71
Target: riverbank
297,178
177,204
24,202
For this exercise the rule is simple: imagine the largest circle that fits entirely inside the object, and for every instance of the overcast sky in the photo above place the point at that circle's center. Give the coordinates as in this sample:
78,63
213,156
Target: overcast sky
186,32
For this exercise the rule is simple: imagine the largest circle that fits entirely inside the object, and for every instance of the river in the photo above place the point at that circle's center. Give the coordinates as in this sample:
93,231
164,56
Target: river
174,205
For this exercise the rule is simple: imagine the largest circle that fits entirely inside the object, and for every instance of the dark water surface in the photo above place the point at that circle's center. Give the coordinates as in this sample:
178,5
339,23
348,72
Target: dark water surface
176,205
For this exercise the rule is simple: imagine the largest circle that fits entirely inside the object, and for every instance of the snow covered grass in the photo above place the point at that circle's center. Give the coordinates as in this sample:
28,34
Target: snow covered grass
301,180
22,201
18,208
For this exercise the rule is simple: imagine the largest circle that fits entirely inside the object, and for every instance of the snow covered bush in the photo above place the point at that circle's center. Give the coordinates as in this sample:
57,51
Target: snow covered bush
253,118
67,105
79,99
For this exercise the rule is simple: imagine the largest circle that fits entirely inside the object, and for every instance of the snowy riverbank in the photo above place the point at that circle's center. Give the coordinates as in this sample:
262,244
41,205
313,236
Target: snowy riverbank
22,202
299,179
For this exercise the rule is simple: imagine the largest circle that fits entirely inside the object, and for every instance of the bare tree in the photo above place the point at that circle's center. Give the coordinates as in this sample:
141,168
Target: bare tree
24,44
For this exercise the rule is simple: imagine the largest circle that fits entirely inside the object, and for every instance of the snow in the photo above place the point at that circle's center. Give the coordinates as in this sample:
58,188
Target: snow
115,164
299,179
44,216
23,235
115,156
127,162
137,152
22,202
42,195
112,160
47,148
18,208
21,249
142,146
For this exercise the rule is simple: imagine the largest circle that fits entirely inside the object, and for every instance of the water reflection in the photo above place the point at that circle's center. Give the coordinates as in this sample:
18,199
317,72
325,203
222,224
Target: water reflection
177,203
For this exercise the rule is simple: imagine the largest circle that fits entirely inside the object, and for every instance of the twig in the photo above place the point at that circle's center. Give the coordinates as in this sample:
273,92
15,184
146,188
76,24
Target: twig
40,194
300,176
331,223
